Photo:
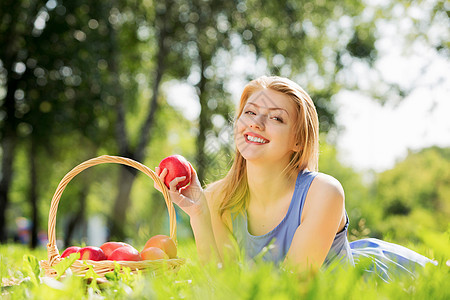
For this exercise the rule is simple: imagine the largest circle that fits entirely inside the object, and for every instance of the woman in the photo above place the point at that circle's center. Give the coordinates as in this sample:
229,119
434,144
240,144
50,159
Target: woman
273,195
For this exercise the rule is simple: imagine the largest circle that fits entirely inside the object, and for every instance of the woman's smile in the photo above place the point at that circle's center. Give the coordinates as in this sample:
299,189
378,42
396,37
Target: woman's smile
253,138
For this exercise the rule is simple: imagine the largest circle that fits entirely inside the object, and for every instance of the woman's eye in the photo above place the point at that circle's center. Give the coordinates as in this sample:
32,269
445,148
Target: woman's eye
249,112
277,119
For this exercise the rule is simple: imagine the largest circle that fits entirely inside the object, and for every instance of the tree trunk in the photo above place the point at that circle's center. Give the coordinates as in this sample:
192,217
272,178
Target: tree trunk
203,124
79,216
127,175
33,196
8,146
126,179
8,133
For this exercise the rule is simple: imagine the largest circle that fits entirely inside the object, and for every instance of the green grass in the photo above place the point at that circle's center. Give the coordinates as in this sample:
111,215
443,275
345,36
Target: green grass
233,281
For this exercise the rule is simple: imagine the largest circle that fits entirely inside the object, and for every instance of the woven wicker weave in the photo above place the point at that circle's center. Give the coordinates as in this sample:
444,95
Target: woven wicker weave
105,266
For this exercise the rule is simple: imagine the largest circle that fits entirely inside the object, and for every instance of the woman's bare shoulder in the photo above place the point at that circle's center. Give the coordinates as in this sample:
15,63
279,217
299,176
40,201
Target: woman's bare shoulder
327,184
325,190
215,187
214,193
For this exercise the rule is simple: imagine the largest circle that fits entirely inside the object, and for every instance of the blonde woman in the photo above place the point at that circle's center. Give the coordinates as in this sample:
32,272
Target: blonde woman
273,195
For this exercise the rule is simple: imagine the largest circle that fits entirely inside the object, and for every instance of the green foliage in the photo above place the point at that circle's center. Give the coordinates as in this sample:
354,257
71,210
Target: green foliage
31,268
65,264
237,281
400,204
362,44
415,194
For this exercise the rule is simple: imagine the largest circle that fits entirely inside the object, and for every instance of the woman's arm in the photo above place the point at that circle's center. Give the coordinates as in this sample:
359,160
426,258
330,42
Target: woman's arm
203,233
221,225
193,202
321,217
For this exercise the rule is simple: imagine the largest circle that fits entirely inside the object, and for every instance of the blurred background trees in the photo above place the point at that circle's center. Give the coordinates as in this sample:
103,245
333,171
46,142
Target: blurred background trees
82,78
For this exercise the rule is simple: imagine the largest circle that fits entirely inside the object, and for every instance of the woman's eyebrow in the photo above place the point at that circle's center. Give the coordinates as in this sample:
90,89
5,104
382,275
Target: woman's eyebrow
269,108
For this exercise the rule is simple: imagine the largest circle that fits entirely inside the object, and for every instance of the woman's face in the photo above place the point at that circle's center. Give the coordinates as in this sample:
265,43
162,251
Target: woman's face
264,130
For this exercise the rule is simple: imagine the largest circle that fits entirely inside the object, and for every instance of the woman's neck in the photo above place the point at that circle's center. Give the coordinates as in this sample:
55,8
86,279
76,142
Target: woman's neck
268,183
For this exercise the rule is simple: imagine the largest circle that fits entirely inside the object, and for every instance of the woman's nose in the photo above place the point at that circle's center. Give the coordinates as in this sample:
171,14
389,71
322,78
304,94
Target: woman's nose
257,122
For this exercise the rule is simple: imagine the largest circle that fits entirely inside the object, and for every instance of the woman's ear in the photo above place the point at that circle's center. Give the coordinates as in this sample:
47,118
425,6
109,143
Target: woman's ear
297,148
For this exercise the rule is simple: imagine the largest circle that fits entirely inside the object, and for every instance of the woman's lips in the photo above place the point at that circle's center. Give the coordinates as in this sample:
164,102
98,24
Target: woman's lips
255,139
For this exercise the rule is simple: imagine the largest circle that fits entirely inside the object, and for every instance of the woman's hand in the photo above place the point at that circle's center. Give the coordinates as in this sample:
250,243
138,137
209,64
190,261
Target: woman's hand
191,198
192,201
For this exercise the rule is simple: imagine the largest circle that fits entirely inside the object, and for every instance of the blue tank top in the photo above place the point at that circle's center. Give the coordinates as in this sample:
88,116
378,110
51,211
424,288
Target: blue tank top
274,245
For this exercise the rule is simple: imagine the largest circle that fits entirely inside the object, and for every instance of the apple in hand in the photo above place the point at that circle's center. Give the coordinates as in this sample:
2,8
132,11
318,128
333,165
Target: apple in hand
70,250
177,166
153,253
164,243
92,253
109,247
128,253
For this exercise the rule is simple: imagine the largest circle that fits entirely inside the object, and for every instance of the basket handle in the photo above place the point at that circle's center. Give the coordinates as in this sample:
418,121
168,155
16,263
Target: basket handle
101,160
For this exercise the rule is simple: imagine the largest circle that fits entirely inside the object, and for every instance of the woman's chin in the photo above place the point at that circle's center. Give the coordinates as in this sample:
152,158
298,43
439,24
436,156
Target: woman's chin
252,156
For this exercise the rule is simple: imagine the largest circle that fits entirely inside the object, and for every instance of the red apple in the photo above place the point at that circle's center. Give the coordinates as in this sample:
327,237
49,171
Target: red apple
125,253
177,166
109,247
92,253
164,243
70,250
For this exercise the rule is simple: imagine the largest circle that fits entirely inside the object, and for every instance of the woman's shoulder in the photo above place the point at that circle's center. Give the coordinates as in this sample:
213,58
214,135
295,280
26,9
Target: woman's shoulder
325,192
328,186
327,180
214,187
214,191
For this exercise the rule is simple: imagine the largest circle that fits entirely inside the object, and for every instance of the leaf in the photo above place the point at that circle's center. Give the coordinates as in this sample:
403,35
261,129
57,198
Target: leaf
114,275
31,268
65,264
91,274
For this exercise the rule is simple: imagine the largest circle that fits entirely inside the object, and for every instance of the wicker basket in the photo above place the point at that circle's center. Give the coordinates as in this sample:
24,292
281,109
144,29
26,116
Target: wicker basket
105,266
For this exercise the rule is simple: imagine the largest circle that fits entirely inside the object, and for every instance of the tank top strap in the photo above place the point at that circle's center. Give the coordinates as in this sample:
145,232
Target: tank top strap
302,184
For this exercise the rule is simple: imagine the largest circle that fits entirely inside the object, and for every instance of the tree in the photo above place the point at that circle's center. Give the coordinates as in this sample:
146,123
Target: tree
51,87
414,193
167,37
407,29
11,37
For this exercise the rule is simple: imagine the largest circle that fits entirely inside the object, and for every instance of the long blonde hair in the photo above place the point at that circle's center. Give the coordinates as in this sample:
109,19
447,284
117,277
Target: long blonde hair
234,186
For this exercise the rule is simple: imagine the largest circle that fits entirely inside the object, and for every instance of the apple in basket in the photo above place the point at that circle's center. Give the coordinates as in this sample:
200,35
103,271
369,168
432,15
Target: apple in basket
70,250
164,243
177,166
153,253
127,253
92,253
109,247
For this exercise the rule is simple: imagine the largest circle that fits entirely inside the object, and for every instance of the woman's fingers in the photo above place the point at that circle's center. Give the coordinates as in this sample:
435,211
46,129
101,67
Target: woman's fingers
162,175
186,196
174,182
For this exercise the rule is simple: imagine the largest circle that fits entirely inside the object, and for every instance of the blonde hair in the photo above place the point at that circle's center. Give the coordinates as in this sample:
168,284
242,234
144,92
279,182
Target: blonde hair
234,186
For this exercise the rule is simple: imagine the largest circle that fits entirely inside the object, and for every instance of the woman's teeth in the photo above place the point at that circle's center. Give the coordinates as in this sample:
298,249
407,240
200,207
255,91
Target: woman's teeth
256,139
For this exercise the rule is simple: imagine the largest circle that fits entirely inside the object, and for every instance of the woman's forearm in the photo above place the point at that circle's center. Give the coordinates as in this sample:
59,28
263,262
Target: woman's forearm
204,236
